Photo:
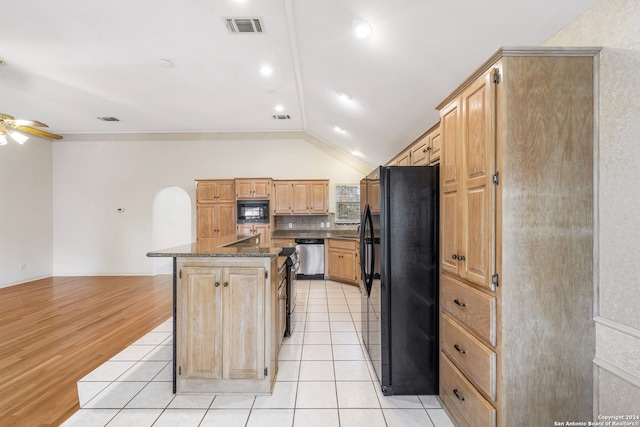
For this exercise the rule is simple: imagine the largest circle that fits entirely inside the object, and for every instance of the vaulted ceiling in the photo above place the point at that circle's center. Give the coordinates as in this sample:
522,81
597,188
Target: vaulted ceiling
174,66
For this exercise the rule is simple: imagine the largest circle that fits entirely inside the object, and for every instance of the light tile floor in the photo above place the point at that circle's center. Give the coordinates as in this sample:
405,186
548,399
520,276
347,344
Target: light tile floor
325,379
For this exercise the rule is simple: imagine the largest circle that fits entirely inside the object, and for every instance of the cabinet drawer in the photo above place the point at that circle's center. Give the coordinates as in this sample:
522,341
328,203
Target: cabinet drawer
464,402
342,244
470,307
472,357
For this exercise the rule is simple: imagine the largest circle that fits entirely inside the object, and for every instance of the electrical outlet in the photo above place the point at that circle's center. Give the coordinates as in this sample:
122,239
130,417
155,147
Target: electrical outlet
290,225
22,266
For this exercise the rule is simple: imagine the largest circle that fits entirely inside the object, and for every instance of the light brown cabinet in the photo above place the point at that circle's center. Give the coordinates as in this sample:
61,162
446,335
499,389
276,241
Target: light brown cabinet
253,188
215,220
215,209
263,229
221,331
309,197
342,260
426,150
216,191
516,181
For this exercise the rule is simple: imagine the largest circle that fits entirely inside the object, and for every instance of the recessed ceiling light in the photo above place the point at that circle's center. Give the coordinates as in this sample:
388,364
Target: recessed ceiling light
338,129
279,108
344,96
165,63
362,29
356,153
109,119
266,70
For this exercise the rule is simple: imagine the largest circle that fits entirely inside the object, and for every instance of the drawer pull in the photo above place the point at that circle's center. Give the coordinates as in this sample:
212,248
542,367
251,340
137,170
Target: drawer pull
457,347
461,304
455,391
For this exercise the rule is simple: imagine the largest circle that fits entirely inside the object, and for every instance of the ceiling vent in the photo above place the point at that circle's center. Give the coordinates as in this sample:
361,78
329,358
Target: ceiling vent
244,25
109,119
281,117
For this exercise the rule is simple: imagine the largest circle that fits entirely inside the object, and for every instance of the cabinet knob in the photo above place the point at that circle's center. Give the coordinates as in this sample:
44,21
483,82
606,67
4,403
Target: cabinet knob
225,284
217,284
461,258
425,150
454,256
455,391
458,349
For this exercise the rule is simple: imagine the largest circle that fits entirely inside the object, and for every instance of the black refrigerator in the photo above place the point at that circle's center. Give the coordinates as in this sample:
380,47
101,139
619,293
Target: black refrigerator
399,262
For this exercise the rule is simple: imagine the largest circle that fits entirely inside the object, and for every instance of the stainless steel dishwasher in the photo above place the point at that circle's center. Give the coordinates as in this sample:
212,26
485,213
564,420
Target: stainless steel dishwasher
311,257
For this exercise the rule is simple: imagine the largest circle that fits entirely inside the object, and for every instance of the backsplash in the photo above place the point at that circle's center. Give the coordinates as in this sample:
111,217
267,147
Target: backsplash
311,222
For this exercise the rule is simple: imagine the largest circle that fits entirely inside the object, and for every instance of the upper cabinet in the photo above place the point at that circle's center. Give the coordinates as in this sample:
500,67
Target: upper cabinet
309,197
422,152
215,208
216,191
253,188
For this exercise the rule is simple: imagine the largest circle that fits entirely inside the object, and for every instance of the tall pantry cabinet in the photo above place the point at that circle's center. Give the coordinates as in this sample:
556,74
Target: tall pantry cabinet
517,166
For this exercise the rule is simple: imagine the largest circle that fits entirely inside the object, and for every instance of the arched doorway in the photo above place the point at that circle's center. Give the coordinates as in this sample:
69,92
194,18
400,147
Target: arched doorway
171,224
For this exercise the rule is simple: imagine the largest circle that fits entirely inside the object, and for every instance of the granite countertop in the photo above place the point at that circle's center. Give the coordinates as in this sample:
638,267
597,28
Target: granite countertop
225,246
314,234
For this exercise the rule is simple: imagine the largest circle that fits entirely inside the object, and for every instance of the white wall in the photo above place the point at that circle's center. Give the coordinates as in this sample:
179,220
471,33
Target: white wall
615,25
94,177
26,227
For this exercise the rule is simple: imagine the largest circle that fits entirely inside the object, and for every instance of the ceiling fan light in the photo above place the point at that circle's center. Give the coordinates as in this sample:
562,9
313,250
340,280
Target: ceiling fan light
19,138
3,139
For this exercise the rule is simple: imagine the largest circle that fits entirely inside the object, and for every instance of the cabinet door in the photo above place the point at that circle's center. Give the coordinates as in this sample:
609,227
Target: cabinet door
477,188
450,124
226,190
199,323
300,204
244,188
404,159
261,188
243,319
282,312
335,264
226,221
349,266
245,229
420,152
206,192
318,197
435,143
264,231
283,197
206,221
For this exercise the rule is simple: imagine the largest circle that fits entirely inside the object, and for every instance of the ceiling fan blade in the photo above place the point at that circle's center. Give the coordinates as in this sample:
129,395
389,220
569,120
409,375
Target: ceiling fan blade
37,132
18,122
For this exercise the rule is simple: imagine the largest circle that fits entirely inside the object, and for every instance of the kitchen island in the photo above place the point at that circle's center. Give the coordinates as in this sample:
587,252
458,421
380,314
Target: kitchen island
225,315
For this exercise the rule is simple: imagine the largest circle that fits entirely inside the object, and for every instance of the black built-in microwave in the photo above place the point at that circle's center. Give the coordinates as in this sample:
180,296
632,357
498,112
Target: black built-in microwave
253,211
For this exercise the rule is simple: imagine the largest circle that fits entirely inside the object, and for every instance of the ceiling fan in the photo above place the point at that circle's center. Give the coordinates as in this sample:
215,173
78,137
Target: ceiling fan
16,129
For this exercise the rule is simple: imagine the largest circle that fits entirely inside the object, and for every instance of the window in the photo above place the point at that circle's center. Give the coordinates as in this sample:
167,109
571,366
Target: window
347,203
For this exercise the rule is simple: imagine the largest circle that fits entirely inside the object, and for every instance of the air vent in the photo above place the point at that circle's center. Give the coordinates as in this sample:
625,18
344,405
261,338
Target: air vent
109,119
244,25
281,117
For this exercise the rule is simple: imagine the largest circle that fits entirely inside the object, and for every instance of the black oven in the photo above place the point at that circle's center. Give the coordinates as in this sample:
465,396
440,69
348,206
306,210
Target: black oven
253,211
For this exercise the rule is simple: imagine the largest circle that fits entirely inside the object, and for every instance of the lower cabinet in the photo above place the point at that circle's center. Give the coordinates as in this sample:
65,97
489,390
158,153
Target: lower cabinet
263,229
282,304
343,260
222,337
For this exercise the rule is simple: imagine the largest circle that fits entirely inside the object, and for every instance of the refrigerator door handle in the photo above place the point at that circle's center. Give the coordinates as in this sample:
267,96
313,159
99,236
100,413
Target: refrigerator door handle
363,247
368,256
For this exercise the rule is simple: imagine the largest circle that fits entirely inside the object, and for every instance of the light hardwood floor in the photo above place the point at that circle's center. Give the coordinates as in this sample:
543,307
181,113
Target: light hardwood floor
54,331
